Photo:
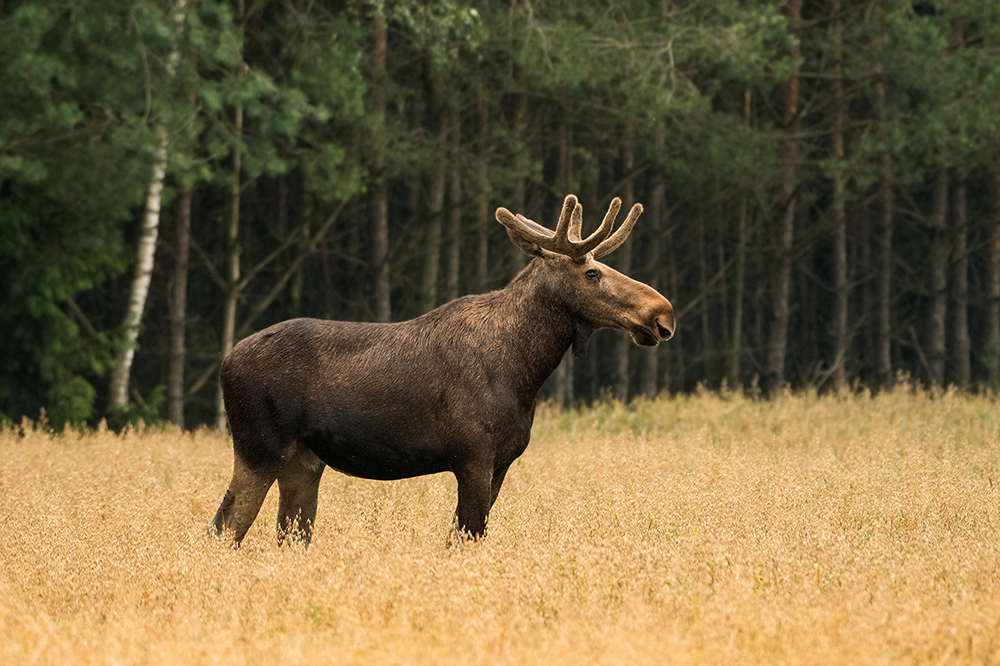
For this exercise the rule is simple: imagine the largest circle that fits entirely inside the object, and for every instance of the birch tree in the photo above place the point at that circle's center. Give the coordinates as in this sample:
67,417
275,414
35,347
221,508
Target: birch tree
147,239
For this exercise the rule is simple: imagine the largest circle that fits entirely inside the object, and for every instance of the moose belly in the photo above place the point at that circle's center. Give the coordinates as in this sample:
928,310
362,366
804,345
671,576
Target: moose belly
373,450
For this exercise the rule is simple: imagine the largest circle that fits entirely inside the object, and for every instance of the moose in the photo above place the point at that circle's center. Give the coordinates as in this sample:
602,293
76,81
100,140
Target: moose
452,390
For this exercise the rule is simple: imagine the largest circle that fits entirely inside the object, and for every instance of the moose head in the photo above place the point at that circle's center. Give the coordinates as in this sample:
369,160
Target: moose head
600,296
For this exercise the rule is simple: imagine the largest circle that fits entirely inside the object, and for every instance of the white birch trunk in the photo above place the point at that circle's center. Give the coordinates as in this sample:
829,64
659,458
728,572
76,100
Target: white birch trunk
143,274
147,241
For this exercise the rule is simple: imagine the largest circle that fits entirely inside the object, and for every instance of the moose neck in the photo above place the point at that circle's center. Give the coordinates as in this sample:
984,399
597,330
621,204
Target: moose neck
540,328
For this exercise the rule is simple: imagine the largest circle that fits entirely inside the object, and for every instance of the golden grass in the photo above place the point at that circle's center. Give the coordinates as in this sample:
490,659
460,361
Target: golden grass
710,529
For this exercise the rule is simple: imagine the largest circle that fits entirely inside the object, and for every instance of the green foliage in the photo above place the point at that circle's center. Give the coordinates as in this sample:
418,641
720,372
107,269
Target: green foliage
86,85
72,169
147,413
946,94
446,29
70,402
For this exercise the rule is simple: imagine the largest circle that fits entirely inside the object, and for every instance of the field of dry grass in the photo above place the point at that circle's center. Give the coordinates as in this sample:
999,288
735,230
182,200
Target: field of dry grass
710,529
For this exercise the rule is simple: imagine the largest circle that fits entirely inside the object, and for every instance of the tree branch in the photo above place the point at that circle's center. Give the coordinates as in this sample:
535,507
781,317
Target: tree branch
292,269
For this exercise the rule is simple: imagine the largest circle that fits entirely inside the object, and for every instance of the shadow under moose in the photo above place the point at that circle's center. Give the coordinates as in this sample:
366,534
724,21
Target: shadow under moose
453,390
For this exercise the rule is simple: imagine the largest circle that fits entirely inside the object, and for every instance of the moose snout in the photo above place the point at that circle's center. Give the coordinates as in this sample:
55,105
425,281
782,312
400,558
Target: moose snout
665,325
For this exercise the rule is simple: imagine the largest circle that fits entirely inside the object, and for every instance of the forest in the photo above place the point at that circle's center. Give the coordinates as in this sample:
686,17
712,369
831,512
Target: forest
821,183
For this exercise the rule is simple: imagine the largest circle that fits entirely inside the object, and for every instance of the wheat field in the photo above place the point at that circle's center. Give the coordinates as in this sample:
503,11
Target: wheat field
708,529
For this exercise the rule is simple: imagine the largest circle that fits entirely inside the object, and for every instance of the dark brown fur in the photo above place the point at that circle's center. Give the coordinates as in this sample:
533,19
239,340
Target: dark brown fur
453,390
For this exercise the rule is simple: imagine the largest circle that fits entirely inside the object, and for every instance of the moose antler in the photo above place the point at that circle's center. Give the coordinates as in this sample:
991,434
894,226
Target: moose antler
611,244
566,239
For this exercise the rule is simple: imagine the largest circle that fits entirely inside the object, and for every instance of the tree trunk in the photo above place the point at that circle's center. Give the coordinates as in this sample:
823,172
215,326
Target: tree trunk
840,287
564,371
623,257
992,341
380,252
358,306
707,353
654,371
308,248
739,279
960,288
677,378
883,339
233,262
596,354
953,287
938,275
435,205
454,211
739,291
518,260
380,203
807,332
861,259
178,310
232,238
143,274
722,280
147,239
298,279
483,222
774,369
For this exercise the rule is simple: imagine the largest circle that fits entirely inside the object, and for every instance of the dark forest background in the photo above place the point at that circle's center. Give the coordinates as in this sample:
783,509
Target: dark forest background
821,181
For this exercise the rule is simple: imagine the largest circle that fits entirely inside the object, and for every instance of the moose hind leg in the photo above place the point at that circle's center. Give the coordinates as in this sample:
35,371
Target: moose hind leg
242,501
298,485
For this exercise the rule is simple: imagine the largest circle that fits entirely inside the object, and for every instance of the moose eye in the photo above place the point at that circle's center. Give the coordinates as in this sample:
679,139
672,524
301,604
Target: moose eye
593,274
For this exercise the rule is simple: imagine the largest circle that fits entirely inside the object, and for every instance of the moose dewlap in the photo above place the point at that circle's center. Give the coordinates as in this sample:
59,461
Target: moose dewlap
452,390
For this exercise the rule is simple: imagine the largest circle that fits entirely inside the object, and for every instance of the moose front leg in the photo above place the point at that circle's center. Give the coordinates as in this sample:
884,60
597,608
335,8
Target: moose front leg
475,494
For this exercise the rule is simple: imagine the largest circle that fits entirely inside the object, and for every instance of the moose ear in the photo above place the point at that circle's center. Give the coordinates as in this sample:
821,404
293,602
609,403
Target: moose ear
525,246
581,340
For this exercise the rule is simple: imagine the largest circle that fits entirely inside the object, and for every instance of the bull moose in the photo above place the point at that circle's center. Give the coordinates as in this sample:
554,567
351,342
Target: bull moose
452,390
